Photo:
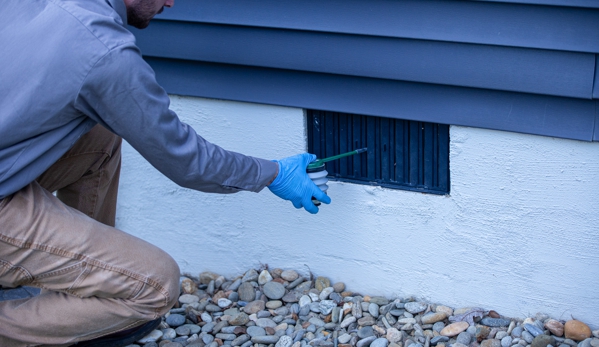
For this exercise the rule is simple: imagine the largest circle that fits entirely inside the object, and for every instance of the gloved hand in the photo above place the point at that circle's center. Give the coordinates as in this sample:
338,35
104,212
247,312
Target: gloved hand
293,184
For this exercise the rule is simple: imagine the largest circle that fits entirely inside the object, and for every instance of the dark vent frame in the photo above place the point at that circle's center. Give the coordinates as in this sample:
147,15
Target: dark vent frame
402,154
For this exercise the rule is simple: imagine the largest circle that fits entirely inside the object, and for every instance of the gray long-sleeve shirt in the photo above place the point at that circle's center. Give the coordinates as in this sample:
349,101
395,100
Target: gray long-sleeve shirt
66,65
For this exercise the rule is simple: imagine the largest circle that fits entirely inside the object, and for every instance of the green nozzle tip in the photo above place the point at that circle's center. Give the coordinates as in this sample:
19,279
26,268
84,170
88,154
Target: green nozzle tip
321,162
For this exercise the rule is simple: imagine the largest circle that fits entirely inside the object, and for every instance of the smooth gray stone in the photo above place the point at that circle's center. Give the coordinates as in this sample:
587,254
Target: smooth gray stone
533,329
299,335
175,320
208,327
365,332
314,307
265,322
228,330
223,336
263,314
311,328
335,314
250,276
527,336
295,283
292,296
304,310
240,340
207,338
336,297
373,309
234,296
183,330
380,342
495,322
438,339
278,319
246,292
415,307
517,332
438,327
213,308
282,311
506,341
255,331
294,308
366,341
273,290
267,339
290,321
464,338
330,326
247,344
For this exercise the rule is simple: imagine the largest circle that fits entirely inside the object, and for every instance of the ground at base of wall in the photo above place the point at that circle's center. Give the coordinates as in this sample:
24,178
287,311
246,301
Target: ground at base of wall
280,308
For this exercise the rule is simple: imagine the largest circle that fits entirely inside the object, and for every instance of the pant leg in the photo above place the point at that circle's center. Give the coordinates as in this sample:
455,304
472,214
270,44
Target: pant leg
98,280
87,176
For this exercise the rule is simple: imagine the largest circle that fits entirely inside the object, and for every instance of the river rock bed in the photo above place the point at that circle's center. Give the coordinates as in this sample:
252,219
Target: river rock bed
281,308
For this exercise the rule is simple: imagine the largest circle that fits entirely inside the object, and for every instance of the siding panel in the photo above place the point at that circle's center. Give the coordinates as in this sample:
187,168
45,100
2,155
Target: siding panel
527,113
520,25
482,66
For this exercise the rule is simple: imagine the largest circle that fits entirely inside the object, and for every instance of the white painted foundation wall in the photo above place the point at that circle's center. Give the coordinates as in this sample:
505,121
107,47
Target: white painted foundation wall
517,234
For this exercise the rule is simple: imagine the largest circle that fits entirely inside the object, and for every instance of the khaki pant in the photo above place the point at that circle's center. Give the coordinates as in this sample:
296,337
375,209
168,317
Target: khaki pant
95,279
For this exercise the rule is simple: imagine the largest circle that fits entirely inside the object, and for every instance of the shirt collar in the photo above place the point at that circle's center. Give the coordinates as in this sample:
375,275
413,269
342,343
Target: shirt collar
120,8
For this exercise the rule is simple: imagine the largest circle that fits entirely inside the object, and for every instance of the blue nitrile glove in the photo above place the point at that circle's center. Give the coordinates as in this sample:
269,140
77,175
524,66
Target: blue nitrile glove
293,184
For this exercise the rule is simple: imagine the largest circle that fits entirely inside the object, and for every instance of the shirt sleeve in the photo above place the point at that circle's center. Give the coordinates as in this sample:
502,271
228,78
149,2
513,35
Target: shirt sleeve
122,94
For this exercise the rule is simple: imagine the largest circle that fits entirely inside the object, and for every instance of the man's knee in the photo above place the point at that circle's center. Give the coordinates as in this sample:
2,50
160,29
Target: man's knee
165,283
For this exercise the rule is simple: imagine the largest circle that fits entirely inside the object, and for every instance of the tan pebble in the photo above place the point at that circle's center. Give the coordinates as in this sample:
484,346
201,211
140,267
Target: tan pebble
346,294
321,283
431,318
379,330
366,298
328,318
188,286
281,326
325,333
343,345
339,287
346,311
528,320
576,330
282,281
454,329
441,344
462,310
429,333
276,272
206,277
556,327
393,335
448,310
220,295
289,275
298,344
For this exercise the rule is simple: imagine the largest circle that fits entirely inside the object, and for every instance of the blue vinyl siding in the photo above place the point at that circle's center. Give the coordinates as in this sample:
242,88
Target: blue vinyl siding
524,66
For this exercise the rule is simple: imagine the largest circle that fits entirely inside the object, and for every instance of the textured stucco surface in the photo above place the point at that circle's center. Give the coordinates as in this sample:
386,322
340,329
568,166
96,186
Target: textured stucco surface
518,233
